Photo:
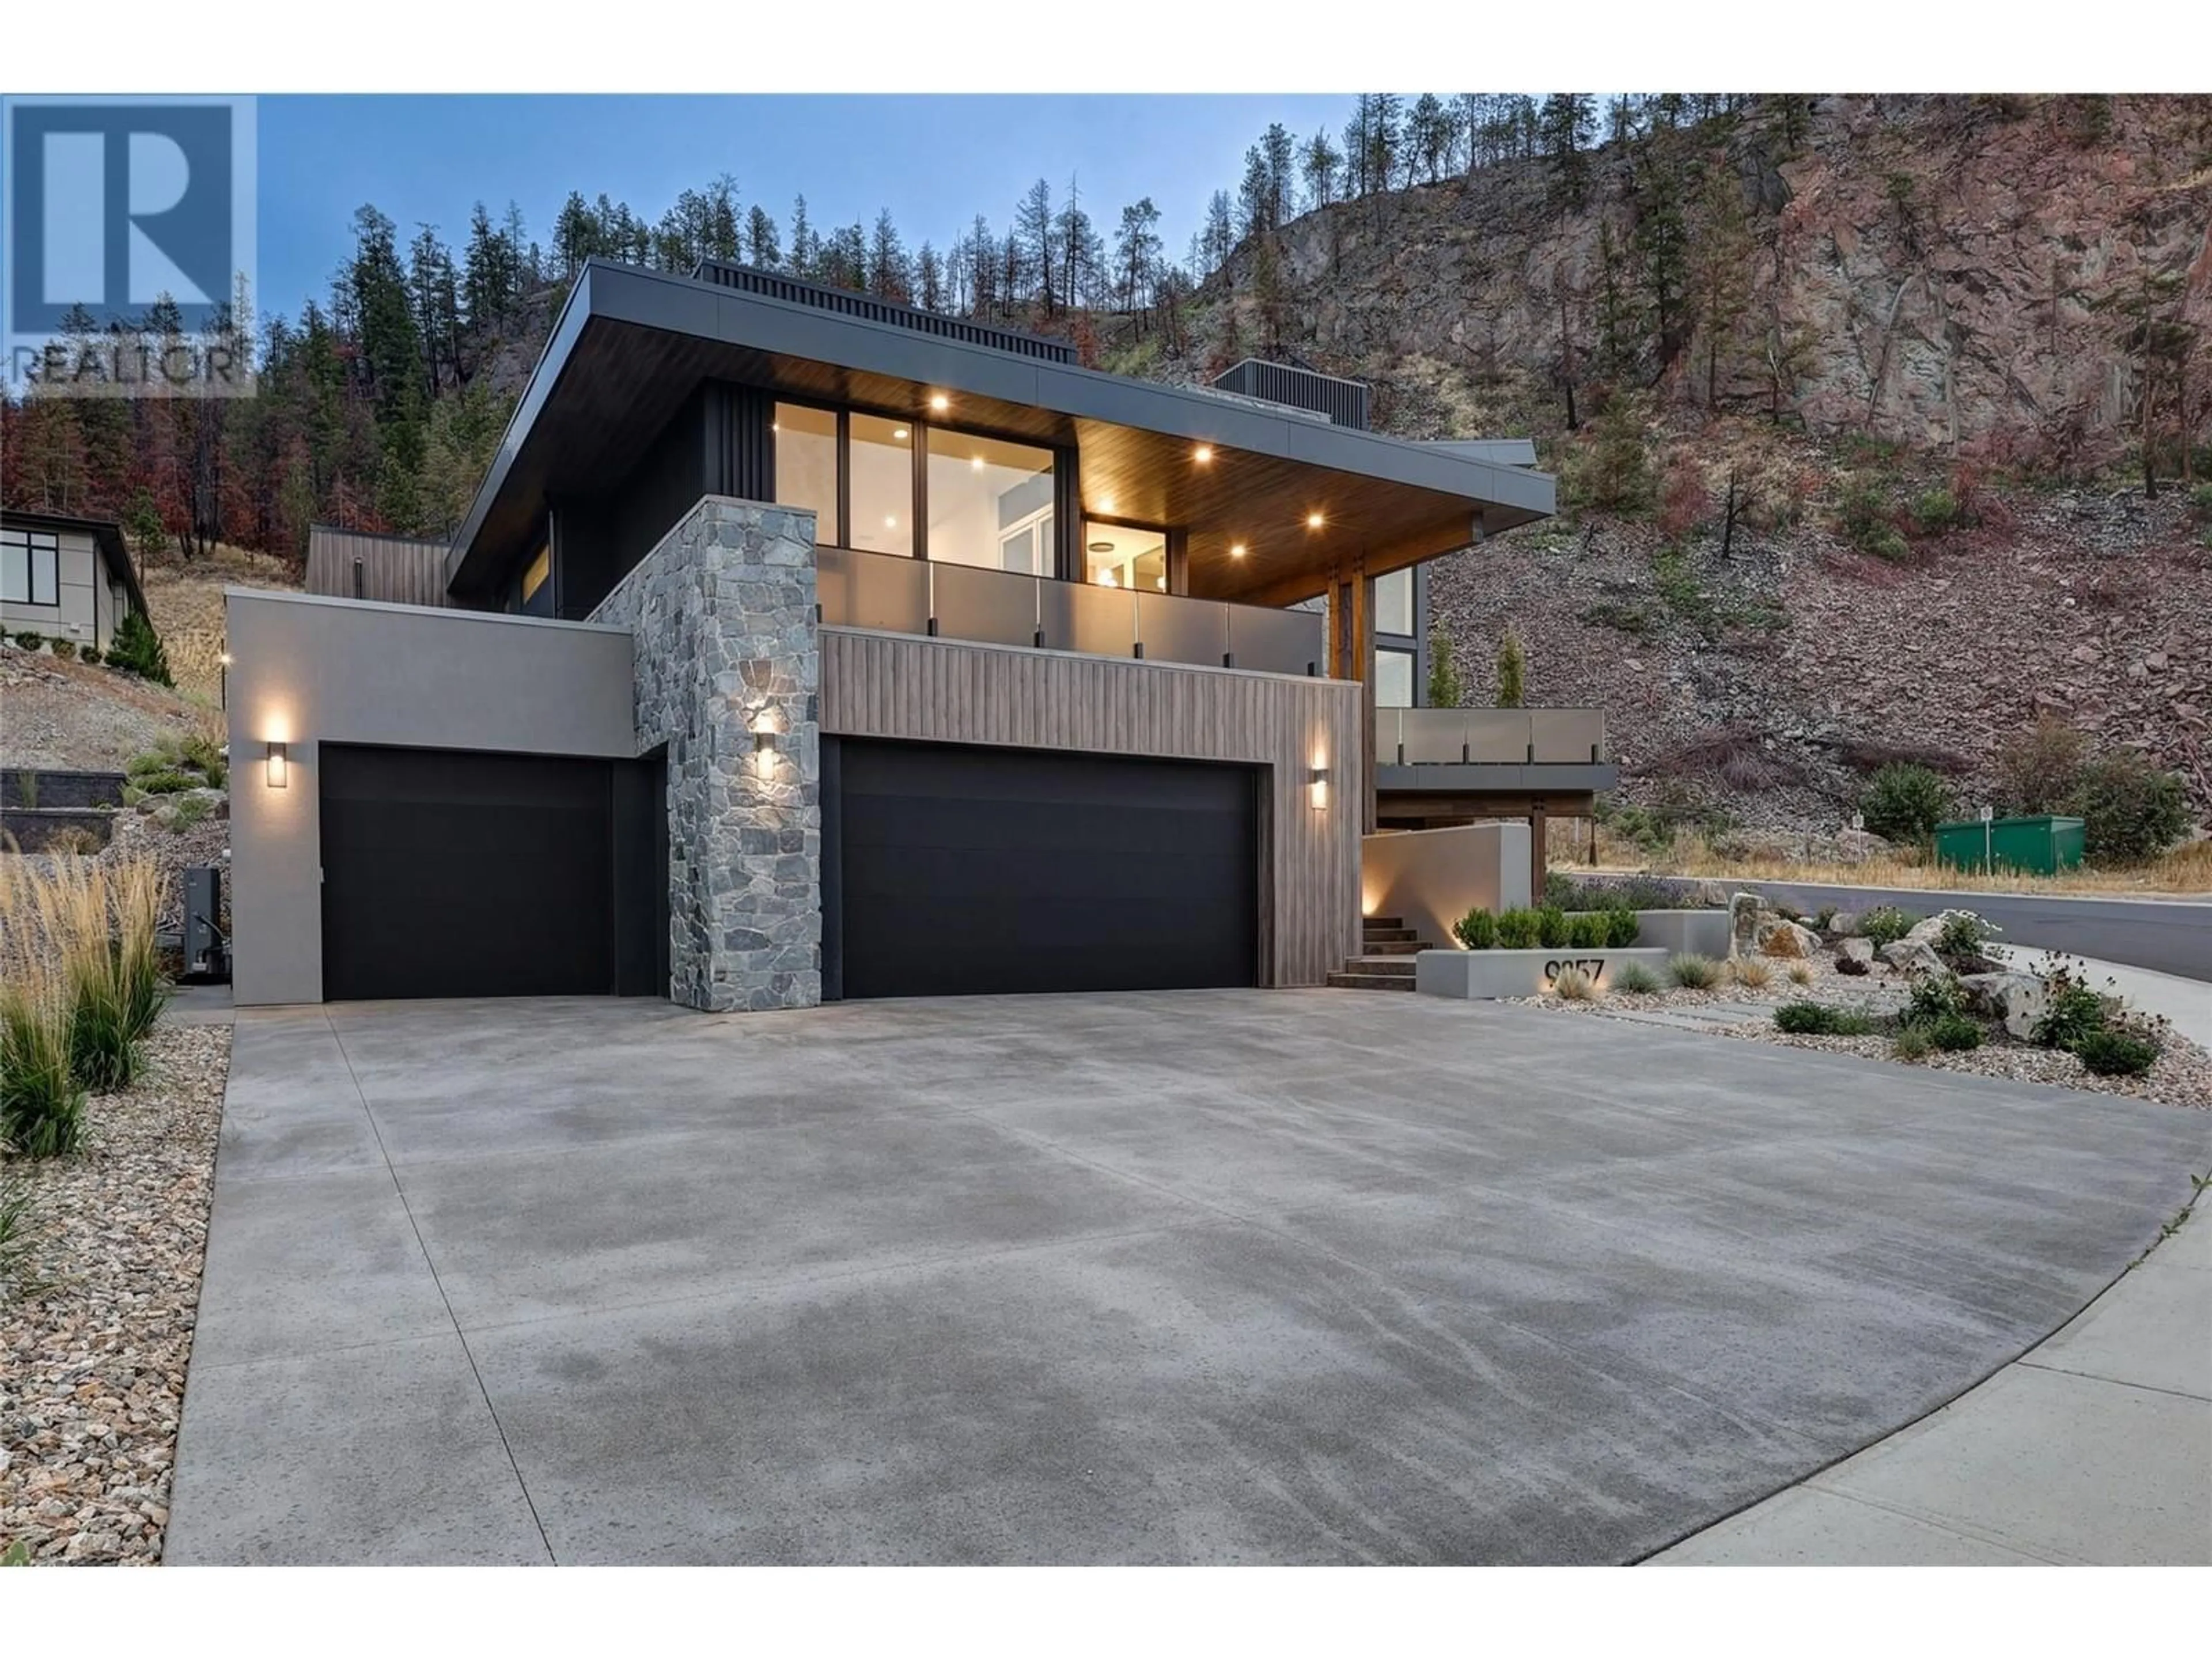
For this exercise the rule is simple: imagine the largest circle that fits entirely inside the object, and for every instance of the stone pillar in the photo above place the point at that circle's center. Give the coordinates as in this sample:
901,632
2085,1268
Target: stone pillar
727,673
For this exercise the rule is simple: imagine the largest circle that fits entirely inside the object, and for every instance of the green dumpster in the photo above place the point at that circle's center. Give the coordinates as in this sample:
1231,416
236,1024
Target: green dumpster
2038,846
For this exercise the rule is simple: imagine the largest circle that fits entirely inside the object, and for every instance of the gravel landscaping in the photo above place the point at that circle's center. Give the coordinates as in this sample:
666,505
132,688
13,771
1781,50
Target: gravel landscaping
2181,1076
93,1352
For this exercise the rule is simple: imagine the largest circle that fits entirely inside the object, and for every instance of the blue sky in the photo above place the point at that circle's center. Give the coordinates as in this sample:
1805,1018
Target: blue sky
934,161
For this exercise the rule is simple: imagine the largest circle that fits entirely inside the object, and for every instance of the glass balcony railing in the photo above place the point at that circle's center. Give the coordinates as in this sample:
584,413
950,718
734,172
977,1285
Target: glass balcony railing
1494,736
998,607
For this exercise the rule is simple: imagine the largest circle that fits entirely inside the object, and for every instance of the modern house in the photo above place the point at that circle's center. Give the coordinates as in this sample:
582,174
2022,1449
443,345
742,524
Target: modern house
65,578
799,645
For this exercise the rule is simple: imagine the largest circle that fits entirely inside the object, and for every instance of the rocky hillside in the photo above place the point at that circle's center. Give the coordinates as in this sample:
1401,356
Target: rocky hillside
1855,471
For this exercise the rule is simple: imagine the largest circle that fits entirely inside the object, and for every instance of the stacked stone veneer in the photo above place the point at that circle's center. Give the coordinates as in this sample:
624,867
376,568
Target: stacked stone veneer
722,611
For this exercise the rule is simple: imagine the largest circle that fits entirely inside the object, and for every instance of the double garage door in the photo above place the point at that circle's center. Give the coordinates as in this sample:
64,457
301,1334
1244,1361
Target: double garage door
946,872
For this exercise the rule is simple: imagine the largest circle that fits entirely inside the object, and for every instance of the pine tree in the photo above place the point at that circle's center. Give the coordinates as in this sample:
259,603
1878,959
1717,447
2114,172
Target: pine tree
1032,235
1565,123
1319,163
929,278
806,245
1137,256
1444,690
763,243
1661,244
1511,666
889,275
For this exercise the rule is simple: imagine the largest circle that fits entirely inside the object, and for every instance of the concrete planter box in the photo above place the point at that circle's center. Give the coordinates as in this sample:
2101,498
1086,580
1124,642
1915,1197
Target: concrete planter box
1704,932
1479,976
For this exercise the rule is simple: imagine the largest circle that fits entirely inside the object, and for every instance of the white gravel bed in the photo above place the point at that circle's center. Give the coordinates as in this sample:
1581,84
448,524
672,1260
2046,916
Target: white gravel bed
92,1360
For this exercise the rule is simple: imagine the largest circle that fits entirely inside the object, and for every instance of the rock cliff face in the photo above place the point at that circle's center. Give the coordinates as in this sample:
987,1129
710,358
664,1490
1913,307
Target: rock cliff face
1929,270
1906,295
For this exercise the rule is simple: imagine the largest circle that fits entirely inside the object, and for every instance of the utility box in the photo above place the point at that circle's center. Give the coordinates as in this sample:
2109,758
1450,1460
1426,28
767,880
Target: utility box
2035,847
207,951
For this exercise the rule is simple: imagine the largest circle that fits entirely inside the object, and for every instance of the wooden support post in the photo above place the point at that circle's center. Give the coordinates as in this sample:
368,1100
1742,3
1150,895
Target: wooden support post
1537,828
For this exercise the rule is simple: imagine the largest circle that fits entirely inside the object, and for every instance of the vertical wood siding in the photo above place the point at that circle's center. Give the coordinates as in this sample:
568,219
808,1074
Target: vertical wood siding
880,685
394,569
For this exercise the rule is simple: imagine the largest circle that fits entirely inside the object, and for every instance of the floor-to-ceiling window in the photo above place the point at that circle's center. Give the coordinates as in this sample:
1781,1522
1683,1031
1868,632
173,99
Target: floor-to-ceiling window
806,466
1123,556
990,503
1397,643
881,464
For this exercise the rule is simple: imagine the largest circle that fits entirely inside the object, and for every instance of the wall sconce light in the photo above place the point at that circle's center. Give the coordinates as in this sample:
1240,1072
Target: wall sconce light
278,770
1318,779
764,725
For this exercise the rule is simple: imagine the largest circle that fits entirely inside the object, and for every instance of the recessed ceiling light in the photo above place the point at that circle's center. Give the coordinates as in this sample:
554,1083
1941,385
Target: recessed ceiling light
1235,550
898,432
976,464
940,403
890,522
1313,520
1105,503
1204,453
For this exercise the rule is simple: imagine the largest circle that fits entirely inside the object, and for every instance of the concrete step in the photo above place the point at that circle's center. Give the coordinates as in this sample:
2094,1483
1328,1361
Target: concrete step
1381,921
1370,933
1369,982
1390,947
1398,967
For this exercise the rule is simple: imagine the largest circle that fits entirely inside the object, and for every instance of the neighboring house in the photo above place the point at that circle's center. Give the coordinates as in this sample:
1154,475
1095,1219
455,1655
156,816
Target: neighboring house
65,578
367,564
800,646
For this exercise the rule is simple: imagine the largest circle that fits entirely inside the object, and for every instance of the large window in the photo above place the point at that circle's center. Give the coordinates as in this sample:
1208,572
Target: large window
1393,678
882,485
30,566
806,466
990,503
1393,603
1120,555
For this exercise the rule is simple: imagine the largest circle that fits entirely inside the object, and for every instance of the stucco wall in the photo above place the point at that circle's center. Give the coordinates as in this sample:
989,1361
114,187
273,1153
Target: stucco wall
308,671
1432,877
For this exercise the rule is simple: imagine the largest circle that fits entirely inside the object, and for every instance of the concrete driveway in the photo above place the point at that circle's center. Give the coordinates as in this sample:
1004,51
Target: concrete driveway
1235,1276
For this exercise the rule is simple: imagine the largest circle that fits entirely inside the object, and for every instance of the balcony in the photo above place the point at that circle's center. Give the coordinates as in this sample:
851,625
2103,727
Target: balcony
1437,752
898,595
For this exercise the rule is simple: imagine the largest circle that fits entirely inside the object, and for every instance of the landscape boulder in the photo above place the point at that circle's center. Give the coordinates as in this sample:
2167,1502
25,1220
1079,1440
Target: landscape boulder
1746,912
1912,958
1789,941
1844,924
1855,956
2018,1000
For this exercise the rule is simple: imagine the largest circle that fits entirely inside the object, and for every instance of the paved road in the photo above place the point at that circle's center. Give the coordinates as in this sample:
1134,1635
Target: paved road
2172,936
1234,1276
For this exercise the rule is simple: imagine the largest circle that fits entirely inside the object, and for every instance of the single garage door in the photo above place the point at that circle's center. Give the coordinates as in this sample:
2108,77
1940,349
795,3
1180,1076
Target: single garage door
451,873
961,872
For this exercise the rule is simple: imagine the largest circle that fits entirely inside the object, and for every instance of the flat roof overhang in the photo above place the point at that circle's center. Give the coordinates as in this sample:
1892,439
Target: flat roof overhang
632,344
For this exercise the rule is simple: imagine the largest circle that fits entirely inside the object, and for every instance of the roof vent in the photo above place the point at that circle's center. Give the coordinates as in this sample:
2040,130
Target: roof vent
1344,402
774,285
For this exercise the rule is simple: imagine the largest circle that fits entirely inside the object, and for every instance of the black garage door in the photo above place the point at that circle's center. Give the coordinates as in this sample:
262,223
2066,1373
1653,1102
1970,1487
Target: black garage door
955,872
451,873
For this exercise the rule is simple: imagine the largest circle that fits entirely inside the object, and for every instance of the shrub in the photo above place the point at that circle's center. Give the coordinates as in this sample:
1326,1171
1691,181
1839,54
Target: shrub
1512,666
1906,802
1752,974
2130,809
1636,979
1910,1043
1963,934
1886,925
1864,519
1621,928
1518,930
2115,1052
65,649
1938,512
1636,893
1693,972
1934,998
137,649
186,811
2073,1012
1824,918
1799,975
98,923
2039,770
166,783
2200,499
204,755
1820,1019
1954,1033
1444,689
29,638
1476,930
1573,985
18,1228
88,654
1591,930
1551,928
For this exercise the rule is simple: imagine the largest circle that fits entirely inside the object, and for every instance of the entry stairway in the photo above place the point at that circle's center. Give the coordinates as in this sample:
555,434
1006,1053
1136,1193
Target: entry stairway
1386,958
